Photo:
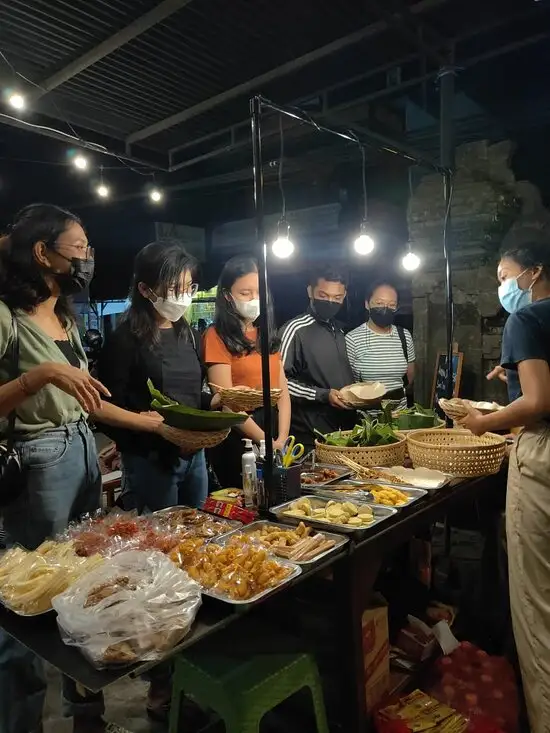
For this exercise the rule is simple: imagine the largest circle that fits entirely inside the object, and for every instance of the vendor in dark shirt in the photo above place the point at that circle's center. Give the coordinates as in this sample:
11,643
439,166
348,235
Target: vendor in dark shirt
524,275
154,341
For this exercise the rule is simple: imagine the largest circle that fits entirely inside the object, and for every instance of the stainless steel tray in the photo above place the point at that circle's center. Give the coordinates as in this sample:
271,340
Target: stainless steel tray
367,497
381,513
233,523
254,526
295,570
342,472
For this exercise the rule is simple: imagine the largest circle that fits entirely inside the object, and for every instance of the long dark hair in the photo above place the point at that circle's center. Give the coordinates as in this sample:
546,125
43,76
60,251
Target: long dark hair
22,280
159,266
228,322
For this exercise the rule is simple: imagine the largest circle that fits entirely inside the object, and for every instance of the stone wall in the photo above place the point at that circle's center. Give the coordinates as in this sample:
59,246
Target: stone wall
489,209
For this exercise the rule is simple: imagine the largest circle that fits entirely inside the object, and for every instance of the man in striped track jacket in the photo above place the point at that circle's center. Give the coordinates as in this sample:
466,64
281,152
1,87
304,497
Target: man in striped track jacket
314,355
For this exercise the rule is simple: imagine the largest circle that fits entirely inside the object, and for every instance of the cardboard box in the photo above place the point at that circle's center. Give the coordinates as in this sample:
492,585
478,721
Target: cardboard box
376,651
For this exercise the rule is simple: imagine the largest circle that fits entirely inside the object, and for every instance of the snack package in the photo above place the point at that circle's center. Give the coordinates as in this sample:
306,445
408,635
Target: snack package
133,608
419,713
29,580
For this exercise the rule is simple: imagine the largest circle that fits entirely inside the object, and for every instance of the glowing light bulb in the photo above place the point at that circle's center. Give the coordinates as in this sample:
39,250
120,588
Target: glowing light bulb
364,244
17,101
282,247
103,191
410,262
155,195
80,162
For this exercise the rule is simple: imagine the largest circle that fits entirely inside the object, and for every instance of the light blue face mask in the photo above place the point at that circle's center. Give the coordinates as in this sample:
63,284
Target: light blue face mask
511,296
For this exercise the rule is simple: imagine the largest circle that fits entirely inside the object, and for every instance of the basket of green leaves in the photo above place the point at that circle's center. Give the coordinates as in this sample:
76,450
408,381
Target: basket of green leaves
412,418
370,443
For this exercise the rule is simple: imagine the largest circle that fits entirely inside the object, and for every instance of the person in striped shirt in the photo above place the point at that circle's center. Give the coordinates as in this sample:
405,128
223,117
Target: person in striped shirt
380,351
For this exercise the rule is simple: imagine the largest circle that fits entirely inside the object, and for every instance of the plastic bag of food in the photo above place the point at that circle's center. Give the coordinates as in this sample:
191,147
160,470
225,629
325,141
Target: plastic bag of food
134,608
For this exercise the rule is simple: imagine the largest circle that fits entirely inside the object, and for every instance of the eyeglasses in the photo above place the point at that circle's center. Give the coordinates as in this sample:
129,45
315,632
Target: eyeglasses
80,251
191,290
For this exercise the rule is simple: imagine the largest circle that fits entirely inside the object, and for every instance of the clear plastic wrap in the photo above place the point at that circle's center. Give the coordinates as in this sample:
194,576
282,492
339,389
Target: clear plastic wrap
134,608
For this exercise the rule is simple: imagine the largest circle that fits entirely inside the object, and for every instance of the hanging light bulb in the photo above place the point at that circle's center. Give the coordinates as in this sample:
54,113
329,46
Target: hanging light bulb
103,191
17,101
80,162
282,247
364,244
410,261
155,195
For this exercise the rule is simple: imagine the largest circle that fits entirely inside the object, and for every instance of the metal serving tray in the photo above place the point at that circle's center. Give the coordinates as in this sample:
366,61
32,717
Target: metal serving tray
342,472
233,523
381,513
254,526
366,497
295,570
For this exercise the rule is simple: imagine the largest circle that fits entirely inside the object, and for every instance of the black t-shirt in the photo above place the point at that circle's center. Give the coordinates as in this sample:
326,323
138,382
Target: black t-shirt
526,336
181,369
68,352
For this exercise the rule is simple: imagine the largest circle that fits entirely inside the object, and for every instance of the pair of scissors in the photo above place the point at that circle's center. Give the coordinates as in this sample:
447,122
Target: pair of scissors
292,451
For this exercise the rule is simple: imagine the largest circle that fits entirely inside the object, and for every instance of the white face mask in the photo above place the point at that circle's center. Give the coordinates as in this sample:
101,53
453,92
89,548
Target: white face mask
247,309
173,308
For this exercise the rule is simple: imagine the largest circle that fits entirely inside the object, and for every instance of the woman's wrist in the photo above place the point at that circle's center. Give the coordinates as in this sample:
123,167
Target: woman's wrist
36,378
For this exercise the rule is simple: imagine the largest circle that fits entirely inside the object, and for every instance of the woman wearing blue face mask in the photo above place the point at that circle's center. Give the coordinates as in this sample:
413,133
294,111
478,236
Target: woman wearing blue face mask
524,275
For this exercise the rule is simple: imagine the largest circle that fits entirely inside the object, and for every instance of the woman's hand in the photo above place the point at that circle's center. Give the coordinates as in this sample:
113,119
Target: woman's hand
473,422
216,402
75,382
151,421
279,444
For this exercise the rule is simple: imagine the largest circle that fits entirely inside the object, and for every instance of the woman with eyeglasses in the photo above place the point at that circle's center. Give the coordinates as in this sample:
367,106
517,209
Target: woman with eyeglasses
233,356
155,342
380,351
43,261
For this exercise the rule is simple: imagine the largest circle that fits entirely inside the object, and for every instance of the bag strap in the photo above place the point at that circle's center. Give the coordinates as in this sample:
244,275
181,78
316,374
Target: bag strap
13,373
402,338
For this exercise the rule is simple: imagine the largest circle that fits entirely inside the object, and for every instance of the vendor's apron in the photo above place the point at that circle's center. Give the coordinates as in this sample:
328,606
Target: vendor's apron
528,539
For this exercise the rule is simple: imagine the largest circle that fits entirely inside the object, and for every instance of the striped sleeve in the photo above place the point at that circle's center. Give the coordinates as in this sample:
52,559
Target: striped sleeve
353,359
290,355
411,356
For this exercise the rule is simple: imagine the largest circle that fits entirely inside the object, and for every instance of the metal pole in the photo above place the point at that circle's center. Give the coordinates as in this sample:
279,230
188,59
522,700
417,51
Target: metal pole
255,120
447,161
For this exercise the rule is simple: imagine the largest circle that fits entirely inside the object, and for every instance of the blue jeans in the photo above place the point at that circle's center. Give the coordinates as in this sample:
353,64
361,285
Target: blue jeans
151,486
62,482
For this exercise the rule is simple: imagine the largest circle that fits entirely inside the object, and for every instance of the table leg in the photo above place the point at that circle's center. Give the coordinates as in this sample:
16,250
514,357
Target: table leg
354,581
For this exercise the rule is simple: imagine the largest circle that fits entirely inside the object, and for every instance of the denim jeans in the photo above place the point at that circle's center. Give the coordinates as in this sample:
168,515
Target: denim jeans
62,482
151,486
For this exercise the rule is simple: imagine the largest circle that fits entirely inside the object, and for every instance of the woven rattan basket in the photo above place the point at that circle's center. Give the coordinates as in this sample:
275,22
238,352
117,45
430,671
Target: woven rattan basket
238,399
458,452
379,455
455,409
191,441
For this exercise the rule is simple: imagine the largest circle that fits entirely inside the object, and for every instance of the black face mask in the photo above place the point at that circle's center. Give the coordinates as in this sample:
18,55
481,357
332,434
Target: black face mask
326,310
78,278
382,317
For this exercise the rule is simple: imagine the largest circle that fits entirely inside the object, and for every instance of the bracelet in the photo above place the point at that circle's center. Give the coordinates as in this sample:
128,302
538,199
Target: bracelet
24,384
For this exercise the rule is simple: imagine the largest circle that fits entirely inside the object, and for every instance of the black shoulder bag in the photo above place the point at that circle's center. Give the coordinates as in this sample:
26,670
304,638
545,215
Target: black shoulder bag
11,472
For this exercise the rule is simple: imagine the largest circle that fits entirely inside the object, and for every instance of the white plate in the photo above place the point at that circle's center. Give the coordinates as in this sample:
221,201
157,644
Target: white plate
421,478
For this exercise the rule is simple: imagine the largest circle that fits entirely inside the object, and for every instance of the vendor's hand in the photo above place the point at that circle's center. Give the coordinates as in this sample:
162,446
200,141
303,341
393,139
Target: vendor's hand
77,383
335,399
216,402
279,444
150,421
498,373
473,421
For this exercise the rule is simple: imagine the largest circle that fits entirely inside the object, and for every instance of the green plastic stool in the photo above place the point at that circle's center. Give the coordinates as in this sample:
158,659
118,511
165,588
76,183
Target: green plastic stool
241,688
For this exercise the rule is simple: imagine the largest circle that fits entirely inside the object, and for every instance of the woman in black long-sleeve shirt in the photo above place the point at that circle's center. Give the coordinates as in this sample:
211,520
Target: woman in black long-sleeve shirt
154,341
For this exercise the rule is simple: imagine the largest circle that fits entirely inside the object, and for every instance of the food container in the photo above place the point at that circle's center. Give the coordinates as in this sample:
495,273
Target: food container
417,478
368,498
244,399
459,452
233,524
381,513
339,540
378,455
295,570
342,471
20,613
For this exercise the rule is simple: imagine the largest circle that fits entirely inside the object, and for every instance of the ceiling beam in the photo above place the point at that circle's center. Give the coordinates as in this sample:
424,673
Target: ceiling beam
257,82
146,21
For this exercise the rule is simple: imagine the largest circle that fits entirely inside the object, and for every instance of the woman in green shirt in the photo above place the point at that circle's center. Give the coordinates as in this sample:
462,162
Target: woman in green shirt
44,259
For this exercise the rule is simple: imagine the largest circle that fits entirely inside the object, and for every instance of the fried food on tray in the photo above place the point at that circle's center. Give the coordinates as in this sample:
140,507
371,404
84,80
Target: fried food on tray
239,572
29,580
354,515
298,545
388,496
193,523
318,476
